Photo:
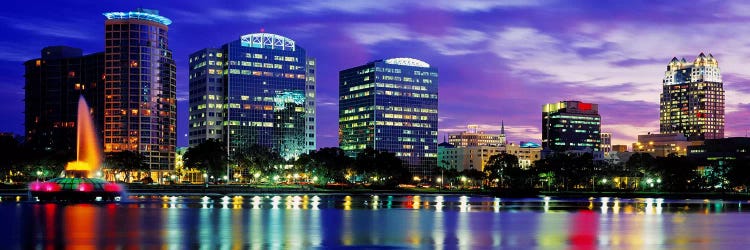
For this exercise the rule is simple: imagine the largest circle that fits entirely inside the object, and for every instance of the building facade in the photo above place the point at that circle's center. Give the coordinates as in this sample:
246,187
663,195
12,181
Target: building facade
140,92
473,137
606,143
662,145
620,148
53,85
391,105
527,153
692,100
571,125
258,89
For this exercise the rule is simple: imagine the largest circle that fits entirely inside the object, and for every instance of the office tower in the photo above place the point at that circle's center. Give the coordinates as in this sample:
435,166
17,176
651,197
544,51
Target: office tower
472,137
391,105
140,92
258,89
571,125
692,100
54,83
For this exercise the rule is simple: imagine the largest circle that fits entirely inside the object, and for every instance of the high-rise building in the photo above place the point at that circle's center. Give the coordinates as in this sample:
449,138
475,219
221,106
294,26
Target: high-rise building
54,83
571,125
258,89
140,92
692,100
391,105
473,137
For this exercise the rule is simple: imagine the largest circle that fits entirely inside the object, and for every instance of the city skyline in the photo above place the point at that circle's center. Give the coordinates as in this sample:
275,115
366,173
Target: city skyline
609,54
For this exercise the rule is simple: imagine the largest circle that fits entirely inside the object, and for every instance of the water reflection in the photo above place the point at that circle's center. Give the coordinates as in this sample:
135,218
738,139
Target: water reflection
361,221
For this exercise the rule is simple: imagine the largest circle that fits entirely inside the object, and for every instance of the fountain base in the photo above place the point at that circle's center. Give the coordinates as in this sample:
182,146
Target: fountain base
75,186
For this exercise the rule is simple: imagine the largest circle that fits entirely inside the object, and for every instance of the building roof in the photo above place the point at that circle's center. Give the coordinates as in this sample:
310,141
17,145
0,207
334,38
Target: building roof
142,14
445,144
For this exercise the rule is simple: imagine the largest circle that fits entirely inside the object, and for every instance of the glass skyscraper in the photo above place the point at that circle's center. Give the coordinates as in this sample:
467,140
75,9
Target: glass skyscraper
391,105
140,91
571,125
259,89
53,84
692,100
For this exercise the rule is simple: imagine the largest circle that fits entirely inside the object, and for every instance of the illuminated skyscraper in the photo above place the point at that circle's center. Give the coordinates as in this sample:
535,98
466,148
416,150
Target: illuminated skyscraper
140,91
391,105
692,100
53,84
571,125
258,89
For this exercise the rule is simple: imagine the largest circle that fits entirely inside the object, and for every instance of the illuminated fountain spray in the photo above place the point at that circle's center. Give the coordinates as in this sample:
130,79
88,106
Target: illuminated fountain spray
88,153
77,182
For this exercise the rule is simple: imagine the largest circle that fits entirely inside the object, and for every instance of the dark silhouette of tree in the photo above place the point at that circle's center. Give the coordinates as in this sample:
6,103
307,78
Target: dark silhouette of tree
126,162
380,167
678,173
499,166
209,156
739,174
328,164
258,159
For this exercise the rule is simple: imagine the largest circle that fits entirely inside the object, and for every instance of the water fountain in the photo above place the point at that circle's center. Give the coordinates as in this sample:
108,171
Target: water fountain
76,182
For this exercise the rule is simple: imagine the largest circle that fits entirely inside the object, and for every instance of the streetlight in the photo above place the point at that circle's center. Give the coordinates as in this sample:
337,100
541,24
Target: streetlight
38,174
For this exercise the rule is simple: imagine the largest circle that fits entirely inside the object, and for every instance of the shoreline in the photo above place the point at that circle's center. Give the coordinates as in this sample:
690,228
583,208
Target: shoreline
245,190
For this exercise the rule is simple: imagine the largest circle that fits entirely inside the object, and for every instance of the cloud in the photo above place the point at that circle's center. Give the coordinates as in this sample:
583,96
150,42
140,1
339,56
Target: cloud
55,28
453,42
477,5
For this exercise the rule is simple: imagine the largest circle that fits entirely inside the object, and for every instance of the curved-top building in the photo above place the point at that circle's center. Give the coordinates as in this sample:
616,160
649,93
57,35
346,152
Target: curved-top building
258,89
692,101
140,92
391,105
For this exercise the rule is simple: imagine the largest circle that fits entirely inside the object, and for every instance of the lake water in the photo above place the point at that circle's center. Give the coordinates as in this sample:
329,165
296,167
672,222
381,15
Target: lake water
367,221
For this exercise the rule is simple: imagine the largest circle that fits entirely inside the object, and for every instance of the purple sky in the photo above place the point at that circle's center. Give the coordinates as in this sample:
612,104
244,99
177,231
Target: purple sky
498,60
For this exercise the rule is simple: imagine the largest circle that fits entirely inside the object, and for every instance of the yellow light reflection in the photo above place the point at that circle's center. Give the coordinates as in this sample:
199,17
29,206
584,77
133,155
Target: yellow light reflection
415,204
348,203
375,201
237,202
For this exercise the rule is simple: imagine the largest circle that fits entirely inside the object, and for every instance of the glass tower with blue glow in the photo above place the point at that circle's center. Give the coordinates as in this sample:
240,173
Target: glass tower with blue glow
140,109
391,105
259,89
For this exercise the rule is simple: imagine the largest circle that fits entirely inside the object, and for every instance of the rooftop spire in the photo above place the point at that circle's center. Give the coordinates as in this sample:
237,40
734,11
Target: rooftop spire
502,127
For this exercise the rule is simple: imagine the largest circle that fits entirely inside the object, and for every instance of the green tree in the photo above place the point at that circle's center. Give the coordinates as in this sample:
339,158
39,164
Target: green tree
328,164
258,159
499,165
209,156
126,162
381,167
